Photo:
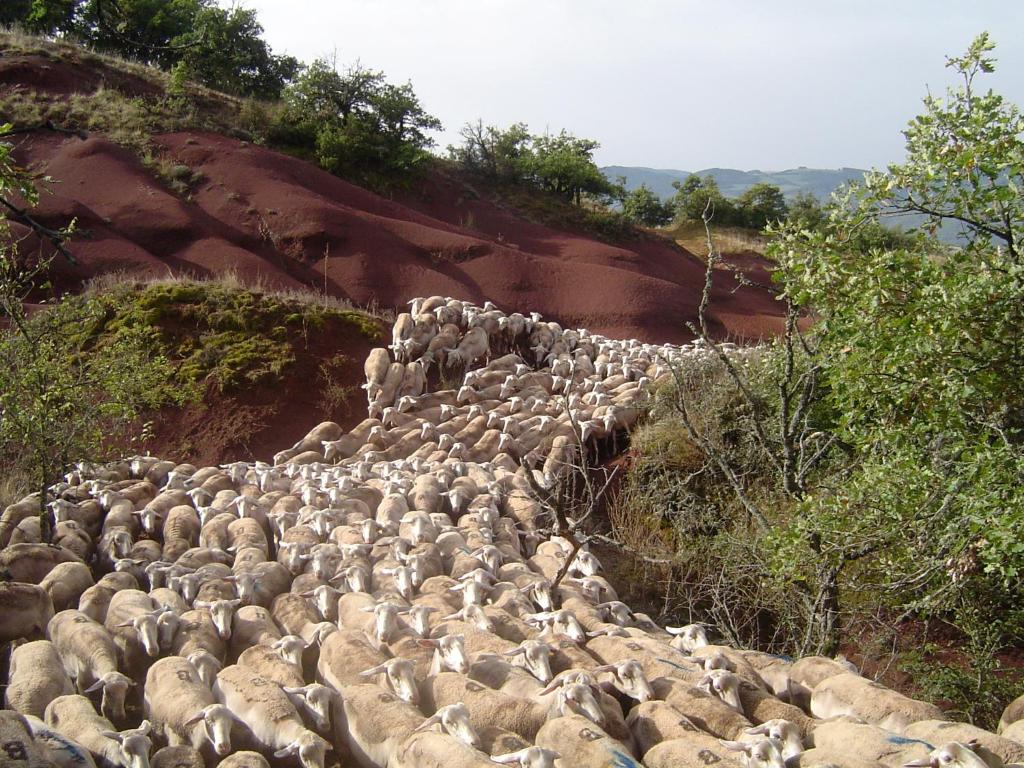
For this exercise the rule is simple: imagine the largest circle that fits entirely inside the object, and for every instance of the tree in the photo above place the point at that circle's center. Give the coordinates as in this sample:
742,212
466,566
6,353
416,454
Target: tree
695,196
806,211
923,358
362,126
147,30
503,155
65,395
564,165
643,206
761,205
230,55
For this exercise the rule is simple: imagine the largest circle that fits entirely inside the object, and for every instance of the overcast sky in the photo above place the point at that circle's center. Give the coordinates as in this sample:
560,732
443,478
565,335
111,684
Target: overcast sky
765,84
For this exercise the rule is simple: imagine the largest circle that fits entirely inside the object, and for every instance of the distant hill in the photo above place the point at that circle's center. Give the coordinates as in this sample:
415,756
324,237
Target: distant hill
818,181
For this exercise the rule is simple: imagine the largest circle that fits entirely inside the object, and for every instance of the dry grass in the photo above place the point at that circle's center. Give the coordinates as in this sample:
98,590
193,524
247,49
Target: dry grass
231,280
692,237
14,485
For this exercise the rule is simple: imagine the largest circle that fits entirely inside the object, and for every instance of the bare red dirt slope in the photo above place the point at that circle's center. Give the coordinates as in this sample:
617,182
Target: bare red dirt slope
271,217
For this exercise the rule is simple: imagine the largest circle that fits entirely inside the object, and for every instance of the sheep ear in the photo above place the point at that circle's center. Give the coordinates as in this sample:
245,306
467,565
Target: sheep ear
427,643
757,730
511,757
739,746
291,749
373,670
145,727
112,735
94,687
197,718
126,624
367,609
432,720
515,651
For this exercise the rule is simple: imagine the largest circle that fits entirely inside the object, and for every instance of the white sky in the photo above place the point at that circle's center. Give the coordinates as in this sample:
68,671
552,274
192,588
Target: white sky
686,84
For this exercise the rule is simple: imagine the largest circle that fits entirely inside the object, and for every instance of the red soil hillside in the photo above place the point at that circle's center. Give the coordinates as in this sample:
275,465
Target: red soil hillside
271,217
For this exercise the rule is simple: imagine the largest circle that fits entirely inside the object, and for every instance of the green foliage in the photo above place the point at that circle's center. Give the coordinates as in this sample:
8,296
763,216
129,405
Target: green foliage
924,343
218,47
762,205
498,154
221,335
644,207
562,165
224,50
806,212
697,195
361,126
64,397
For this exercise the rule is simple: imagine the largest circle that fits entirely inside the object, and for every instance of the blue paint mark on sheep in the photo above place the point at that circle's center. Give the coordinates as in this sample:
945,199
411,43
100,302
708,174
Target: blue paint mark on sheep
623,761
673,664
904,741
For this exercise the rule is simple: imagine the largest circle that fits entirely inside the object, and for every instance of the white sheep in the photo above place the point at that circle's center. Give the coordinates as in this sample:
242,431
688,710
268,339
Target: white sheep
36,678
270,715
74,717
89,655
182,707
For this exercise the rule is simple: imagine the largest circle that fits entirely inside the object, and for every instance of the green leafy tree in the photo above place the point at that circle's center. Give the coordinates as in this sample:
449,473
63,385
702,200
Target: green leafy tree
564,165
46,17
806,211
761,205
64,396
644,207
362,127
921,352
695,195
147,30
224,49
503,155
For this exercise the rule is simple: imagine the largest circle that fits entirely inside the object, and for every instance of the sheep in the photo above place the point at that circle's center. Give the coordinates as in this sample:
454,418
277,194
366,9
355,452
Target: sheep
19,745
954,755
437,750
89,655
397,676
942,732
850,694
269,714
1013,712
474,345
27,610
64,752
244,760
74,717
182,708
706,711
580,742
528,757
252,625
806,673
344,657
181,756
36,677
869,742
66,583
29,563
376,723
197,633
132,622
486,706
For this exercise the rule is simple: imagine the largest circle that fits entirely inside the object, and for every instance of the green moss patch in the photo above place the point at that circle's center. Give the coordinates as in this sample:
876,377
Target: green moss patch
226,336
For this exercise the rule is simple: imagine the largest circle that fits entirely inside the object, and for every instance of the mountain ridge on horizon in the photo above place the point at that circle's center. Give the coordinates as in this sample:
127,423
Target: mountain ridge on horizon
820,182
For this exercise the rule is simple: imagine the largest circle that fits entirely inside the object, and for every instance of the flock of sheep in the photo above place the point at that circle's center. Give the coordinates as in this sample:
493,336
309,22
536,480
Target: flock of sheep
389,596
